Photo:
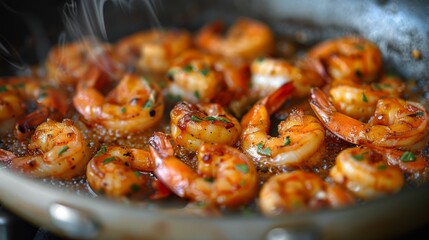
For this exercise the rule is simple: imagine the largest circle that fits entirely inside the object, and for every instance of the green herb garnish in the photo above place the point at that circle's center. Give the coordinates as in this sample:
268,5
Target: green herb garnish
242,183
287,141
209,179
195,118
204,72
42,96
123,110
265,152
65,148
358,157
364,98
376,86
242,168
148,104
188,68
19,85
417,114
137,173
3,89
102,150
197,95
107,160
382,167
360,47
408,157
260,59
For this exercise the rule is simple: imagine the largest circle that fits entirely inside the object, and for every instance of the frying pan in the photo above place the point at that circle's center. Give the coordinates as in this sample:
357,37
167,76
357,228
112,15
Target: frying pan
398,28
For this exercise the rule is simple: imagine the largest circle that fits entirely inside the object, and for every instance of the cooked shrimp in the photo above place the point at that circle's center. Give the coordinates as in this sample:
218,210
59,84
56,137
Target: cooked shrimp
153,50
395,123
24,95
349,58
194,78
301,137
225,176
134,105
359,100
300,191
366,174
407,161
67,64
56,149
192,125
115,171
268,74
246,39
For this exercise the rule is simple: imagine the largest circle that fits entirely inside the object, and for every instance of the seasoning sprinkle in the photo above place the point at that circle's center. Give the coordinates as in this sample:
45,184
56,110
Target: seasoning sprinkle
408,157
42,96
107,160
376,86
242,168
65,148
148,104
137,173
123,110
417,114
381,167
209,179
3,89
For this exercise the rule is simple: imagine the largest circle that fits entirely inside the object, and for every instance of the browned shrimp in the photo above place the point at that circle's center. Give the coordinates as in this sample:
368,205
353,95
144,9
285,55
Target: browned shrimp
300,191
225,176
115,171
56,149
246,39
350,57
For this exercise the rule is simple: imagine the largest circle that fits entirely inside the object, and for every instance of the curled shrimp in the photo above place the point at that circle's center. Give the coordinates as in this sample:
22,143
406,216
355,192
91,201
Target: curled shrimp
134,105
366,174
152,50
67,64
246,39
300,191
349,57
20,96
395,123
301,137
268,74
192,125
115,171
359,100
56,149
194,78
225,176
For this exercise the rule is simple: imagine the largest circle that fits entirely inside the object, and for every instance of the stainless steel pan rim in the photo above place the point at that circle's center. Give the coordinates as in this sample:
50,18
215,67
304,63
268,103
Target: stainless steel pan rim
84,217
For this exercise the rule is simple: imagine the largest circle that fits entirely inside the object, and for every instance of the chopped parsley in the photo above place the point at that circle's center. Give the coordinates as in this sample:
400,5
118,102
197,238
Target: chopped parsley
408,157
65,148
381,167
359,47
123,110
358,157
242,183
173,98
265,152
209,179
107,160
287,141
242,168
188,68
42,96
3,89
137,173
376,86
195,118
364,98
197,95
204,72
19,85
148,104
260,59
102,150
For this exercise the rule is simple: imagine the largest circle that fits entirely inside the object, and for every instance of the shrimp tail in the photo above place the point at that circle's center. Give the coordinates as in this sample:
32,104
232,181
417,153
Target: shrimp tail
343,126
160,146
275,100
25,126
